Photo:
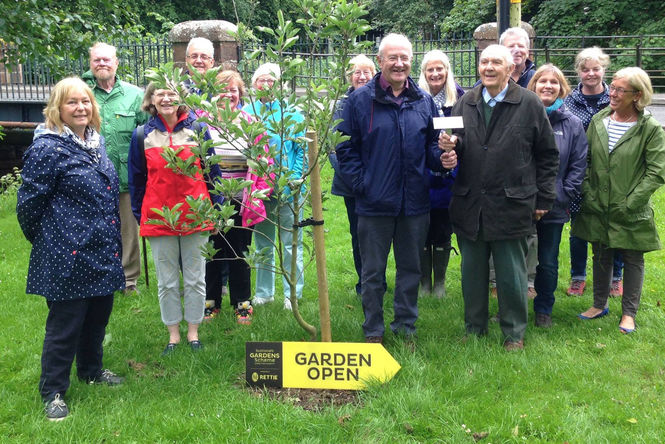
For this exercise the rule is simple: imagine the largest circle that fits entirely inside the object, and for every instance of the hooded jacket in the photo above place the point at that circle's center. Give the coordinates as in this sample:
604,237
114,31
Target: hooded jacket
289,154
507,168
616,209
580,107
389,150
153,185
67,208
572,143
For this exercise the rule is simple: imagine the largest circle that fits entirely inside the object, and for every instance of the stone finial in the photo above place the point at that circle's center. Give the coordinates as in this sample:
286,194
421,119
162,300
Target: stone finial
487,34
217,31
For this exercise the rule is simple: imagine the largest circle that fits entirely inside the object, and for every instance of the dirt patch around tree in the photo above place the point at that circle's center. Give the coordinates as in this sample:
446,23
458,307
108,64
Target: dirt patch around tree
313,400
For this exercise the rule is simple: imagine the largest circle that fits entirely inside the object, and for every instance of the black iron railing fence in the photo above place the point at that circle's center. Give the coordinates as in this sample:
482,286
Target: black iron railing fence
31,82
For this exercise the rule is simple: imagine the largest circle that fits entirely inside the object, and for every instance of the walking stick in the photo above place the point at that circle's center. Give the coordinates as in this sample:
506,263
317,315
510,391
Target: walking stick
145,264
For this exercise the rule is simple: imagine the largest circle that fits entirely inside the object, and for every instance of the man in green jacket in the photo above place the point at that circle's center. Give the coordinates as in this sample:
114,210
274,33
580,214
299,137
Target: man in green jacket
120,109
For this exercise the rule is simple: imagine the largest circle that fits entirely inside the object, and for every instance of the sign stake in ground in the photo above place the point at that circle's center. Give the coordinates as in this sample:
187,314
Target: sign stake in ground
318,365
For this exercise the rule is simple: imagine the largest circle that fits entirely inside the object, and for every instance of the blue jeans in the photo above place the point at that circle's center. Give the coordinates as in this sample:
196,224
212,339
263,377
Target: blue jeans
265,237
547,271
578,257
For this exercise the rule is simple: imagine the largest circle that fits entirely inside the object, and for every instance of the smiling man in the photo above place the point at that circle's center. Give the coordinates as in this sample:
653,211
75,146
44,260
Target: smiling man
517,41
392,142
508,161
120,110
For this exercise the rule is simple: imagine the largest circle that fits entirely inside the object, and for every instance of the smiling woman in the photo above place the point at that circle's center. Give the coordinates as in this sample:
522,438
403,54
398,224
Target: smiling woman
68,209
551,86
154,186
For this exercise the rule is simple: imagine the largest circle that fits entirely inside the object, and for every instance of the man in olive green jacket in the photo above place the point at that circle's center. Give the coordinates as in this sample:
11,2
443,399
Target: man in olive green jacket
120,109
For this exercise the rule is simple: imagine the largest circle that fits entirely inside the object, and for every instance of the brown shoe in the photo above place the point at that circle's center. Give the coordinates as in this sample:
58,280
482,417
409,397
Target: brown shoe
531,293
513,345
576,288
374,339
616,289
493,293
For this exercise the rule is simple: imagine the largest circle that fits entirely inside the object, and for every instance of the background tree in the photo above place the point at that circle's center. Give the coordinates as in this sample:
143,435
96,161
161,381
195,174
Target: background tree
50,31
415,18
331,19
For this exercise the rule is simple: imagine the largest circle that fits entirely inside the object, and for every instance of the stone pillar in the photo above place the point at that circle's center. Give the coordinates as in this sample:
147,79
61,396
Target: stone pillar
217,31
486,34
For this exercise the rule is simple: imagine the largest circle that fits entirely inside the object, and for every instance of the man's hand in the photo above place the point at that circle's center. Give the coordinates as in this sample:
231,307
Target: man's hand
538,214
449,159
447,142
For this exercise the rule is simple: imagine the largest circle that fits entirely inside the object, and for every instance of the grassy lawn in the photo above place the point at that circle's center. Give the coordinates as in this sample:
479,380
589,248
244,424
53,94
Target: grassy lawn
579,382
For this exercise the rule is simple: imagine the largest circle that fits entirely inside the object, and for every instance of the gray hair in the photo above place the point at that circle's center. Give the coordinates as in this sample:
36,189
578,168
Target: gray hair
104,46
267,69
593,54
518,32
498,51
202,42
395,39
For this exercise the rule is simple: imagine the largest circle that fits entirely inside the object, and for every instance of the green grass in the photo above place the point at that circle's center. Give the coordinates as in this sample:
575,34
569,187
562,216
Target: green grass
578,382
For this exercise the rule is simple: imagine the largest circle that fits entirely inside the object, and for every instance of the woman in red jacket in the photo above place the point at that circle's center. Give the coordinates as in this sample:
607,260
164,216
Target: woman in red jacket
154,186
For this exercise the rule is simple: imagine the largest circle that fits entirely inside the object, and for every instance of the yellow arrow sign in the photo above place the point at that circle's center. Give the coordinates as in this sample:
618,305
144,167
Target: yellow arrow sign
319,365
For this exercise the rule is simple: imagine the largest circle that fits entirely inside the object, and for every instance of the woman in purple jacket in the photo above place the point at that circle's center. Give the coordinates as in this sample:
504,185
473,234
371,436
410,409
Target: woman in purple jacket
436,77
551,87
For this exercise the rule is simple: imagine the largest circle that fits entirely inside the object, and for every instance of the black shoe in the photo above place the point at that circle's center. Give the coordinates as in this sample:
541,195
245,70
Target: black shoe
195,345
543,320
170,348
56,409
107,377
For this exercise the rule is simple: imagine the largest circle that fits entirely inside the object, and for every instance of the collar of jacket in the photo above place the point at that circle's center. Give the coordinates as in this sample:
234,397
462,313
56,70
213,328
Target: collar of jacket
559,114
642,116
92,82
513,95
577,96
379,94
183,122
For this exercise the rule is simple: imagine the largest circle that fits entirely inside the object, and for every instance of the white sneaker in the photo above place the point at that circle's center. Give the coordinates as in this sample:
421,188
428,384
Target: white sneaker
261,301
287,304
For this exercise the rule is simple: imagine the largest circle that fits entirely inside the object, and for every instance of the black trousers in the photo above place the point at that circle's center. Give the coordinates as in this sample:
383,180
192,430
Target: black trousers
231,245
73,328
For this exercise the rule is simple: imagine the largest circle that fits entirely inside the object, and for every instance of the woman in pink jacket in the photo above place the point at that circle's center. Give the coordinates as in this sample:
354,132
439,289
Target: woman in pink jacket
233,244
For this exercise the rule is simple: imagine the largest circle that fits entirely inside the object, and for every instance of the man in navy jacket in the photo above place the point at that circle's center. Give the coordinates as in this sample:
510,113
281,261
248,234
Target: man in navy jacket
392,142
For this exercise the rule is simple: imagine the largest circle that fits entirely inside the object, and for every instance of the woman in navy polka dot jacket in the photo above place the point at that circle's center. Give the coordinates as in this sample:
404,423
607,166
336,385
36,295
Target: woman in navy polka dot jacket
68,209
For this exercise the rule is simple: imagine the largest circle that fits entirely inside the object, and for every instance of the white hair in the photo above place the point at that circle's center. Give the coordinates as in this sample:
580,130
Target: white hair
518,32
498,51
267,69
203,43
102,45
439,56
395,39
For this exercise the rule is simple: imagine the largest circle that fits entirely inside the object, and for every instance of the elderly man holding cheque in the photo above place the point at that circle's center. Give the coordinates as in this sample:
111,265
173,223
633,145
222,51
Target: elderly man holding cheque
508,162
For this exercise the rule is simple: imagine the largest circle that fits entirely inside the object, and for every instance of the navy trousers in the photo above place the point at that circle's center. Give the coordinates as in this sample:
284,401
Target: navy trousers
73,328
407,235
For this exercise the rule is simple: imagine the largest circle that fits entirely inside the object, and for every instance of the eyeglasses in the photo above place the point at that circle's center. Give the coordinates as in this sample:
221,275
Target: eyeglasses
620,91
203,57
395,58
265,80
362,73
169,95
